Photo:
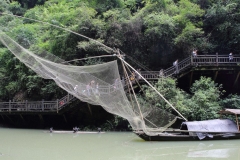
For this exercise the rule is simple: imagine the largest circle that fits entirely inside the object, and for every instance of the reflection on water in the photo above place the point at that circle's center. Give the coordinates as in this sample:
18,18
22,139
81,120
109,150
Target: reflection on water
208,152
38,144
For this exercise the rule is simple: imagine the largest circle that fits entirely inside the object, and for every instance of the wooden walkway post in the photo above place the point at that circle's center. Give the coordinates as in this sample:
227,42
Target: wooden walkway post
42,105
215,76
191,76
191,60
26,105
236,80
10,106
57,105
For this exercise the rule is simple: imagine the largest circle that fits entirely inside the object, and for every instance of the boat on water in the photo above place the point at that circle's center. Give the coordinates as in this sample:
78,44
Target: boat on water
75,131
102,84
216,129
70,132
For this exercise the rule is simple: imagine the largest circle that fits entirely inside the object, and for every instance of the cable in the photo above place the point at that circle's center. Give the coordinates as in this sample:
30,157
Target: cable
62,29
89,58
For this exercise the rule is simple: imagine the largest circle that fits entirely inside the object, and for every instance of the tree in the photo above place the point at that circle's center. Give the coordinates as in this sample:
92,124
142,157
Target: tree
222,23
205,101
177,97
16,9
4,6
231,101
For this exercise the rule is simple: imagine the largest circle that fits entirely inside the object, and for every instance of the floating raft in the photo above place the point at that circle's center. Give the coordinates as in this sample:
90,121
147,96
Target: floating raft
78,132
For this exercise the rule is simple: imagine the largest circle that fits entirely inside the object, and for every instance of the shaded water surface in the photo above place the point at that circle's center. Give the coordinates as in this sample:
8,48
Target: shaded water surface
24,144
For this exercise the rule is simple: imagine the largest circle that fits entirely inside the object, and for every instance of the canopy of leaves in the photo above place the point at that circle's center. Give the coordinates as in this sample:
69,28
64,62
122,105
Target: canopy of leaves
203,103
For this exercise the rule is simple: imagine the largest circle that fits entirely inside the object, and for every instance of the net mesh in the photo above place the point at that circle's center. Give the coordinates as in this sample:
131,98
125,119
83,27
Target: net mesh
95,84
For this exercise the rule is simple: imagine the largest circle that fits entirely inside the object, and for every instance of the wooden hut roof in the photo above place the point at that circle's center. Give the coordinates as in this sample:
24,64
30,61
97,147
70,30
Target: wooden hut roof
230,111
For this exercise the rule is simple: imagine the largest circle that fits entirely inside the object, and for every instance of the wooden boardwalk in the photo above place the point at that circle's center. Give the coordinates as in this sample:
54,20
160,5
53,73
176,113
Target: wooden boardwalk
201,62
35,106
211,62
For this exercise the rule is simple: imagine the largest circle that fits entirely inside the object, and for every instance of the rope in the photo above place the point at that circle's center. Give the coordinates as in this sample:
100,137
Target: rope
154,89
89,58
111,49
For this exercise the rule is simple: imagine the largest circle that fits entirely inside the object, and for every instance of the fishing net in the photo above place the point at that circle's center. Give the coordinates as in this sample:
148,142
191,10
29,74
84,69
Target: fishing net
95,84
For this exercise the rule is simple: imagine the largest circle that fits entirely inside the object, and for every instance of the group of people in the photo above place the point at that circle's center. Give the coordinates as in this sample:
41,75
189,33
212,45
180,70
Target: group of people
90,87
175,63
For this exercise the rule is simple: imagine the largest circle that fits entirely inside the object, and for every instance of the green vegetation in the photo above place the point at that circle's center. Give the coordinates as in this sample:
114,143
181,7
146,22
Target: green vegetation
152,31
204,102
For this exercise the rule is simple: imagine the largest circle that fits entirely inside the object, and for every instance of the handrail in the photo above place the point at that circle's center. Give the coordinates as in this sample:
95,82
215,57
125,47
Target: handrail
55,106
36,106
200,60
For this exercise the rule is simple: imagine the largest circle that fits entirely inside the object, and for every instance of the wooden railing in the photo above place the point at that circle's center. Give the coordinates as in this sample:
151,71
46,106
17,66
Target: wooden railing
36,106
215,60
201,60
55,106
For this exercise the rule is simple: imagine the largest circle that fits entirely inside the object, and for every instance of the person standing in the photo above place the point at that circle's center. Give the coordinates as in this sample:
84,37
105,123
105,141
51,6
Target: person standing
161,73
97,91
175,64
76,88
88,87
194,53
230,56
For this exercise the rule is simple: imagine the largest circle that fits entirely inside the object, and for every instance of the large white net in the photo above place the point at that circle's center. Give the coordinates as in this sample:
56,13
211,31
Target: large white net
95,84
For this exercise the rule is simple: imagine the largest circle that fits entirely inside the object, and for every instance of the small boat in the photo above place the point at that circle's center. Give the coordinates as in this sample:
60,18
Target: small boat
216,129
78,132
75,131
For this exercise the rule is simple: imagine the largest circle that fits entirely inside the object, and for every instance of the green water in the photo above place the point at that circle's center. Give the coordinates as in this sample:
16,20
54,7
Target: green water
25,144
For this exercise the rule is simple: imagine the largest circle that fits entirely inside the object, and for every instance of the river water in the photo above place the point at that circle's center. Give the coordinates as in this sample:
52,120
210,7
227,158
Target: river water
25,144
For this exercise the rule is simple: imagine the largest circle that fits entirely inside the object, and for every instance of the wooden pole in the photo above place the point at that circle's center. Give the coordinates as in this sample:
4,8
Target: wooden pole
89,108
42,105
26,105
215,76
64,117
9,106
191,76
191,60
236,80
10,119
57,105
2,117
237,121
22,118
